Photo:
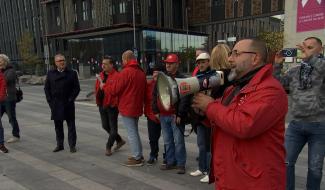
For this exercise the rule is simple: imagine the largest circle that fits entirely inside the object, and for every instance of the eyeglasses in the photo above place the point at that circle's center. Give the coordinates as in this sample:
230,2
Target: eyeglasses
236,53
62,60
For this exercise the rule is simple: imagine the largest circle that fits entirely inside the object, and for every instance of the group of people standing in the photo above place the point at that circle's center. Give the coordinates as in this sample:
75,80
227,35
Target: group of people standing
240,125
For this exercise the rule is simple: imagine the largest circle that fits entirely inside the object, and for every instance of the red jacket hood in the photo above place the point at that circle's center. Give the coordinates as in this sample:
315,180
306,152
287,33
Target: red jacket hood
131,62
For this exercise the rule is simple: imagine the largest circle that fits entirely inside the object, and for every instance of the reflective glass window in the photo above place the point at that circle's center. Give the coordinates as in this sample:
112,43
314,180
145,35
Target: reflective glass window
168,42
158,40
163,41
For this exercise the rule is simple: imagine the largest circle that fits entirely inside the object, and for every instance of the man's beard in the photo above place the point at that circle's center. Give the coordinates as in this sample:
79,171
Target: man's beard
232,75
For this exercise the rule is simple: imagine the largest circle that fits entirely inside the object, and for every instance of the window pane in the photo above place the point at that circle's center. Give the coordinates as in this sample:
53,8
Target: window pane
169,42
158,40
163,40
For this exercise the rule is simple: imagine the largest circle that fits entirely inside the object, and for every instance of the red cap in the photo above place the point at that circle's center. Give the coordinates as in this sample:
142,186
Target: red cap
171,58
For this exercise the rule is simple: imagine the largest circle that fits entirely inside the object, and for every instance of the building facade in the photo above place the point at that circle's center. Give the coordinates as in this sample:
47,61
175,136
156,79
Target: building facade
16,18
86,30
230,20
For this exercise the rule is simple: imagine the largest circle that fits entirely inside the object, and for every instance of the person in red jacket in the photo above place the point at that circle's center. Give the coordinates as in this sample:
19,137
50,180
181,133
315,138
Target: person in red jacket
153,122
173,121
107,105
248,123
3,94
130,87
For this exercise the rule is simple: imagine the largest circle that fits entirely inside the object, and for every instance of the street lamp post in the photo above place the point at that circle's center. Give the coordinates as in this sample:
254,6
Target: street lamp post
186,17
134,40
43,25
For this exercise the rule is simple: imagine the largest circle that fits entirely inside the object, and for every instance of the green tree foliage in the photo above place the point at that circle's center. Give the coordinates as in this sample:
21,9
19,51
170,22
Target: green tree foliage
274,42
25,48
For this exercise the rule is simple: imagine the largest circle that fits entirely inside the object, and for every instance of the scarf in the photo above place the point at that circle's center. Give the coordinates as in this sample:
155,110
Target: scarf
239,84
305,81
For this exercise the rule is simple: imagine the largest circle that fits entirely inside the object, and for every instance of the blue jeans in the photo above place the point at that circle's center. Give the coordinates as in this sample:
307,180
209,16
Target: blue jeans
131,125
297,135
203,142
174,141
10,108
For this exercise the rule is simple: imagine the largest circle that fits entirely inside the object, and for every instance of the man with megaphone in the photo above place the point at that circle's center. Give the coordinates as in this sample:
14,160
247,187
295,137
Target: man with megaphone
248,123
172,121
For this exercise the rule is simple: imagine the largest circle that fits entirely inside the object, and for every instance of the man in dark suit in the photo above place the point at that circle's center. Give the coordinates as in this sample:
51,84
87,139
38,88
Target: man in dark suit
61,89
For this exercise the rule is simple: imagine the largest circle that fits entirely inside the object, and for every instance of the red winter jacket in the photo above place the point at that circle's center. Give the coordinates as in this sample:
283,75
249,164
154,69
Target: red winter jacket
109,100
248,136
3,87
130,86
148,101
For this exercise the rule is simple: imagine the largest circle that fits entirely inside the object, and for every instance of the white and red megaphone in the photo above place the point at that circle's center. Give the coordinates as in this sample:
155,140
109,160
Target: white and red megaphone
171,90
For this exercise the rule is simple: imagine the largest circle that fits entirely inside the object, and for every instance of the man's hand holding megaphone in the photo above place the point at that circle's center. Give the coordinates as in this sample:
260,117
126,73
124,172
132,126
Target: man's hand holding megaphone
201,101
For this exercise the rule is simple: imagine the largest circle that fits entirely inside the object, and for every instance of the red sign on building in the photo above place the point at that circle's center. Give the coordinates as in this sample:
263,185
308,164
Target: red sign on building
310,15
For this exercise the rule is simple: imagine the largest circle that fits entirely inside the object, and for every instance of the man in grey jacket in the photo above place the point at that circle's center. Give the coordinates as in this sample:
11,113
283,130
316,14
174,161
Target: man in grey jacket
306,84
9,105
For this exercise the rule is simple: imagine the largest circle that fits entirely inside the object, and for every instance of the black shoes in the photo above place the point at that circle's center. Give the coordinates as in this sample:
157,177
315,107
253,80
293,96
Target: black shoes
73,149
3,149
58,148
168,167
119,145
151,161
180,169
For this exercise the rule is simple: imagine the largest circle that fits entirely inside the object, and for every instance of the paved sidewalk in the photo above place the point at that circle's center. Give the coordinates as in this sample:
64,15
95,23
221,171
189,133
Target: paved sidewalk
31,164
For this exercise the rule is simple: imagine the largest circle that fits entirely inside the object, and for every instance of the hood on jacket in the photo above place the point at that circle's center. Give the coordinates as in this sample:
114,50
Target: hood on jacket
131,62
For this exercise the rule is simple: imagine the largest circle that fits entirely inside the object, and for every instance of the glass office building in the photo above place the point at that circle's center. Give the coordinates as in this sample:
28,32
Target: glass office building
152,46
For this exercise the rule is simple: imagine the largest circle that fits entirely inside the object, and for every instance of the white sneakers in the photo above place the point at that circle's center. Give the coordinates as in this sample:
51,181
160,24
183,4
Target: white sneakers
13,139
196,173
205,179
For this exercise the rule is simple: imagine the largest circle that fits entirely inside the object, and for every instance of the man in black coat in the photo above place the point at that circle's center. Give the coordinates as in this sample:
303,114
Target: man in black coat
61,89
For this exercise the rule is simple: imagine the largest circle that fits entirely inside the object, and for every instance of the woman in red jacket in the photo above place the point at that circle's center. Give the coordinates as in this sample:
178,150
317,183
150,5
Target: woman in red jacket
107,105
3,90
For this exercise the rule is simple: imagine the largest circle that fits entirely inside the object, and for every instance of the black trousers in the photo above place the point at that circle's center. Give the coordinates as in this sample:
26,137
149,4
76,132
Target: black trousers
72,135
154,131
109,117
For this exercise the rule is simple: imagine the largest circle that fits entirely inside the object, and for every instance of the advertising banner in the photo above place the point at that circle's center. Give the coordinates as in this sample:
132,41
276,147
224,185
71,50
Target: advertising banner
310,15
